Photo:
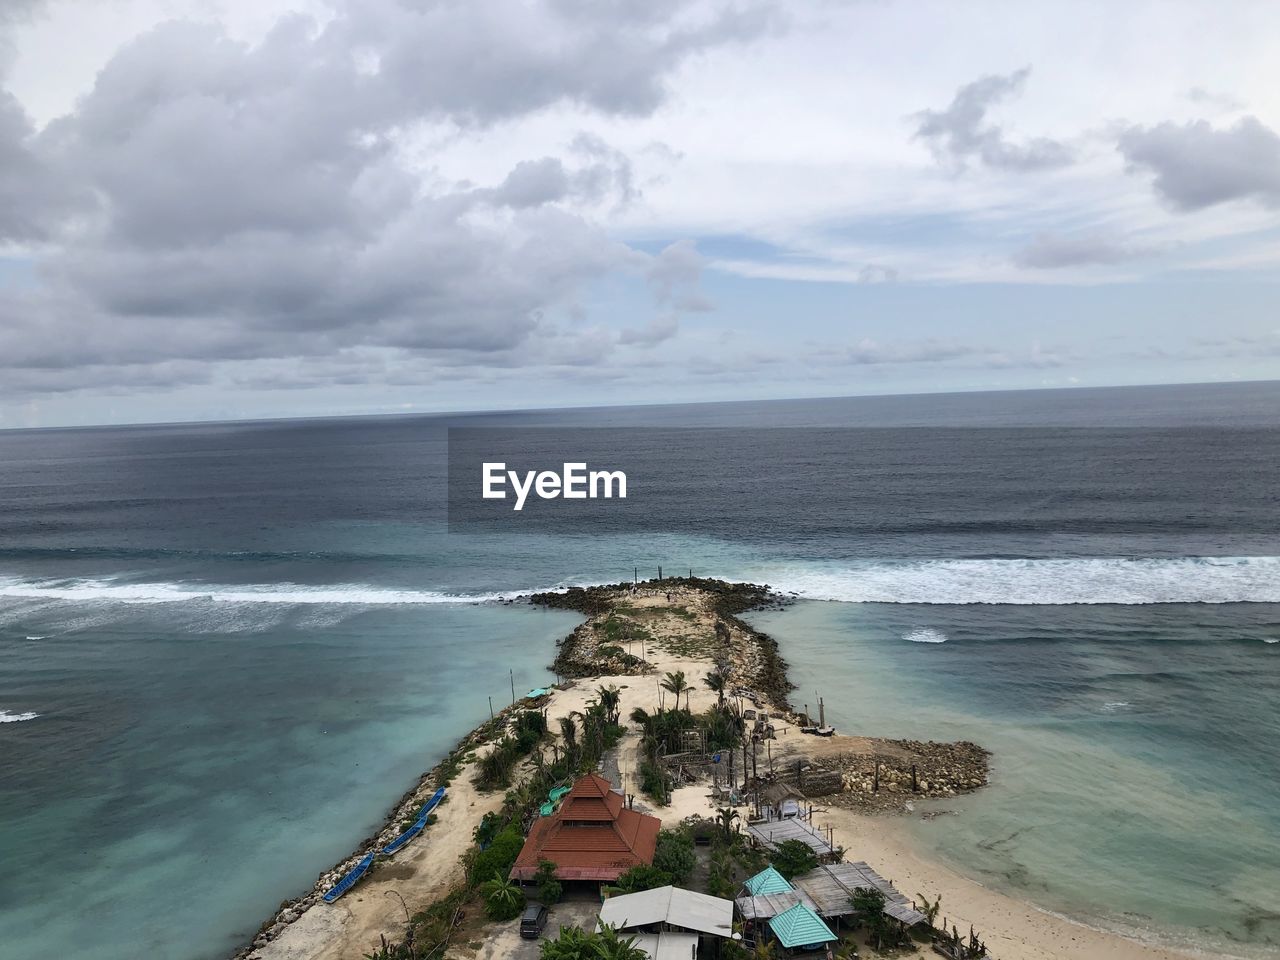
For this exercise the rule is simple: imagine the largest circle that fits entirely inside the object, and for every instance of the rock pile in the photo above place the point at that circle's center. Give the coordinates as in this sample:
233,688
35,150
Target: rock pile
941,770
584,654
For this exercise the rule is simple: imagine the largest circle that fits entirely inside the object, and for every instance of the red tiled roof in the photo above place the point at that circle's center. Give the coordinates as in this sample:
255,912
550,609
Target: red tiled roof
593,836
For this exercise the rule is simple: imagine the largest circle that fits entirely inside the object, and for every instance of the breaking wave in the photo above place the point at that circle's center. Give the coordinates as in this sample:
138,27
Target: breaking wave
7,717
87,591
1084,580
925,635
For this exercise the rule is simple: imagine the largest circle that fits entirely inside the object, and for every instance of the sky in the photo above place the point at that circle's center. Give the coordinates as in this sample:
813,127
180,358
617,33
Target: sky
223,209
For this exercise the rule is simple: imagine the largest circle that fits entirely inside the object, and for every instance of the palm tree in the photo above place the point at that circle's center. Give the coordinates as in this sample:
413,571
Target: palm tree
610,699
503,898
569,730
726,816
675,683
573,943
717,681
643,717
610,945
930,910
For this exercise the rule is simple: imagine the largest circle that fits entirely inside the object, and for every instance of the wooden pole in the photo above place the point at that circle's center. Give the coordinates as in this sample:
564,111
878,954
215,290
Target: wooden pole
513,688
491,709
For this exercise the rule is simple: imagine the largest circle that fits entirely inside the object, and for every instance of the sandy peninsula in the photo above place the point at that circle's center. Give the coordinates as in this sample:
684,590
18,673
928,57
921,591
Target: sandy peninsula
684,629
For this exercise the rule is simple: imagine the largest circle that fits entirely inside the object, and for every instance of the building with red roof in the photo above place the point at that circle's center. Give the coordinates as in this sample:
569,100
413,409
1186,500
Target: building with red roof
593,836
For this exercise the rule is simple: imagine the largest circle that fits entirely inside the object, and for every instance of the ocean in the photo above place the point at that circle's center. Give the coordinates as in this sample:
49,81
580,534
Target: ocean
227,649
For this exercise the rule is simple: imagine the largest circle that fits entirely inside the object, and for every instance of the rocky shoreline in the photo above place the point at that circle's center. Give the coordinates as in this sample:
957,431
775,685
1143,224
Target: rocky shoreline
590,650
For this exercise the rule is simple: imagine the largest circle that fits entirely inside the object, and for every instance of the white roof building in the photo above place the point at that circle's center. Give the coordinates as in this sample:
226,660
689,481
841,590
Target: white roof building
668,946
668,909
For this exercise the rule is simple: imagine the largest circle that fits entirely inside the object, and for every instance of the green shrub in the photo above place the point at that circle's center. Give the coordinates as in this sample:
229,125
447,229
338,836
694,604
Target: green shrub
793,858
674,855
499,857
643,877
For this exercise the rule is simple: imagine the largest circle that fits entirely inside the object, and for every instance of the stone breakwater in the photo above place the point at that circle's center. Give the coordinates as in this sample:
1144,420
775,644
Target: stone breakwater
884,780
701,620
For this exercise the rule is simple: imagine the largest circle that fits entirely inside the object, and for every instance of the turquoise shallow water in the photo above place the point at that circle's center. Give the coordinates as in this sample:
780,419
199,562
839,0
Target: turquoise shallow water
220,768
1136,749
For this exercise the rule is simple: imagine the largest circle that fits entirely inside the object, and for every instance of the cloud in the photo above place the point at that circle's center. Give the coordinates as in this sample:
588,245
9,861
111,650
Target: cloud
1049,251
960,133
655,332
871,352
1212,98
675,274
1196,165
211,200
876,273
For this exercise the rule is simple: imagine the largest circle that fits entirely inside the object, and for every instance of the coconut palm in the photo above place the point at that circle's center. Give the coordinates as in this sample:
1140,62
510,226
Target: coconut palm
611,945
569,731
503,899
643,717
726,816
610,698
930,910
717,681
573,943
675,683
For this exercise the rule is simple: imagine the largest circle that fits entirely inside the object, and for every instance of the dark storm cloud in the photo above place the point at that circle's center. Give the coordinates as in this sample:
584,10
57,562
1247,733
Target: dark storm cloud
220,201
1196,165
1048,251
961,132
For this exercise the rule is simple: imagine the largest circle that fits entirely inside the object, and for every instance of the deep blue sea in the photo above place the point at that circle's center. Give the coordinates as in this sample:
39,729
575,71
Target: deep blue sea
227,649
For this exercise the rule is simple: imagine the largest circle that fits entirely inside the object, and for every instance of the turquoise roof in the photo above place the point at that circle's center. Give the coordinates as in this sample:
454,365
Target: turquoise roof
766,881
800,927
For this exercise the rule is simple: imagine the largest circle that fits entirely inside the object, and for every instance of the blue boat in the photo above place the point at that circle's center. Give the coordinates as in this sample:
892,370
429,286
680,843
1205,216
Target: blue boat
418,825
349,881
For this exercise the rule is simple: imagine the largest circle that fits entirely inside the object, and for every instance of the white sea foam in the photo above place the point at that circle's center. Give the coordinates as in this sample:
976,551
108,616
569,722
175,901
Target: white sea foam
925,635
1271,639
1118,580
7,717
109,590
40,637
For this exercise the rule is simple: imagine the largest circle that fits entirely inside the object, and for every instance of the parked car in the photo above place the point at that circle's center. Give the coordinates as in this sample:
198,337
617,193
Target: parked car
534,919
